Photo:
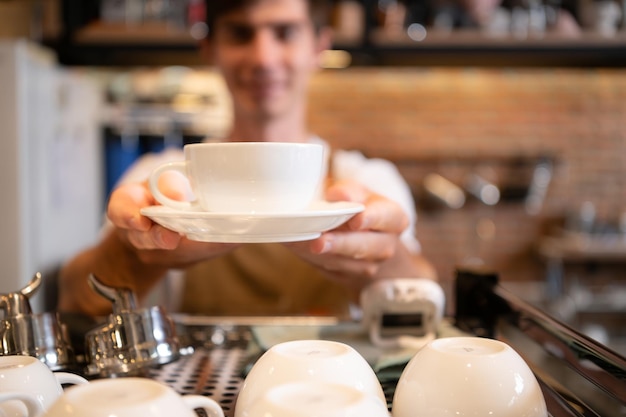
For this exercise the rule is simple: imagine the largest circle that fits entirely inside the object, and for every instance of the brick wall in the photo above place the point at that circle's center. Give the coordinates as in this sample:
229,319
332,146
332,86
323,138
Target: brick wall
458,121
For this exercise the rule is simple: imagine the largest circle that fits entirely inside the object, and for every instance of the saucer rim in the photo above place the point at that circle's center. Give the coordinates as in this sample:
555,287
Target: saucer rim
317,208
242,238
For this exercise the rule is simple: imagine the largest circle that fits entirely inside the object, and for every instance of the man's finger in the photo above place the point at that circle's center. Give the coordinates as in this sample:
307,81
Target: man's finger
380,215
369,246
124,206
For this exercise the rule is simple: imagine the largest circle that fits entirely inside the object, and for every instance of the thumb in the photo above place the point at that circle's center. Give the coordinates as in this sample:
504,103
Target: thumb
175,186
347,190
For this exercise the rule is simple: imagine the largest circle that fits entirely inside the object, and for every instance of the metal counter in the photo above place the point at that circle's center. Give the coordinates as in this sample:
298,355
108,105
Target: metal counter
579,376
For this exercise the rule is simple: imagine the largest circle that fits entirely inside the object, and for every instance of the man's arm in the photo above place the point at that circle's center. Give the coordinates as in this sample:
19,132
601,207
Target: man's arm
115,264
135,253
423,267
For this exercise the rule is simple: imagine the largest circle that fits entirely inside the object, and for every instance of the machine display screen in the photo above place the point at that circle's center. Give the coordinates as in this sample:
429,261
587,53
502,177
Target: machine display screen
403,320
409,324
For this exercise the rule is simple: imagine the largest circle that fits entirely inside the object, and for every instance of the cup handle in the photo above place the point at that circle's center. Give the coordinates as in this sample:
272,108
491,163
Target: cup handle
69,378
33,406
210,406
153,183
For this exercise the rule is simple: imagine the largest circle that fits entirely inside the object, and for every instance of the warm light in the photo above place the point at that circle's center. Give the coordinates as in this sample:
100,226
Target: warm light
335,59
417,32
199,30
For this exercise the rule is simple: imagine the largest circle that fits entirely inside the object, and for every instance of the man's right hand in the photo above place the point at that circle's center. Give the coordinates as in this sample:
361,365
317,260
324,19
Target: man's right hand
135,253
154,243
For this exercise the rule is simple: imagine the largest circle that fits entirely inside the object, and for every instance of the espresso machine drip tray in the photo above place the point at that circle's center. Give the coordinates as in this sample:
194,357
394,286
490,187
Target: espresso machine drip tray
217,355
578,376
216,373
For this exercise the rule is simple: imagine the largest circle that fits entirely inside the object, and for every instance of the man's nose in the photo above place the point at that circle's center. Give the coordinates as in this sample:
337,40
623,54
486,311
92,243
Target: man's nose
264,49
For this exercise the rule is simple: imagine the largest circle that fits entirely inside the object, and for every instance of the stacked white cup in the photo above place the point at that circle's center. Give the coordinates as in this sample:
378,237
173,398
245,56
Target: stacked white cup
34,386
307,378
130,397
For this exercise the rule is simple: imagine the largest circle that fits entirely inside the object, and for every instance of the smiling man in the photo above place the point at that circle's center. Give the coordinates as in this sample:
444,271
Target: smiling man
267,55
267,52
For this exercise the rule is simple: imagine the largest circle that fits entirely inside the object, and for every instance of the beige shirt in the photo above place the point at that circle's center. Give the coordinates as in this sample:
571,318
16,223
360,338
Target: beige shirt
261,279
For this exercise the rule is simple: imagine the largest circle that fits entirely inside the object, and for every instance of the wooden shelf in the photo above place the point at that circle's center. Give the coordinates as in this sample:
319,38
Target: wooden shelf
471,48
473,38
157,43
148,34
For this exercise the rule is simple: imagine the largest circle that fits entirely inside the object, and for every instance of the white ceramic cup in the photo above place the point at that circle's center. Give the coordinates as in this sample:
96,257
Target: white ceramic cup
246,177
305,361
468,376
129,397
28,375
314,399
12,402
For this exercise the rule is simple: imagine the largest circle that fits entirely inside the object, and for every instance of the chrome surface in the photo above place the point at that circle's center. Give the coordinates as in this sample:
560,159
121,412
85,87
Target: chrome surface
123,299
580,376
585,376
131,340
40,335
220,353
16,303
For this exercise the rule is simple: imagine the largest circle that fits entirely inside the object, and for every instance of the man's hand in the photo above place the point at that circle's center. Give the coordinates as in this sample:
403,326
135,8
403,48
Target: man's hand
367,246
154,244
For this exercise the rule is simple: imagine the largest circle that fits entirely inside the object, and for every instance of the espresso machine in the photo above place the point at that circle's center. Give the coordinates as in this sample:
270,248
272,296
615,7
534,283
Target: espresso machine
211,356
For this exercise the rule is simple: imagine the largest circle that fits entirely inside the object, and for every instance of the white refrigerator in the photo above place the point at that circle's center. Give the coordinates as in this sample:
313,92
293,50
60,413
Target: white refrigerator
50,164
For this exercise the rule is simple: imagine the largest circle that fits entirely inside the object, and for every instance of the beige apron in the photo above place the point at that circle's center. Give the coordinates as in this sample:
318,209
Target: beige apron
261,279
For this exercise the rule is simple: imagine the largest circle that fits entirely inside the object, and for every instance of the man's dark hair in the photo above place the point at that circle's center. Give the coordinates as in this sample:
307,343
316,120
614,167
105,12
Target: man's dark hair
319,10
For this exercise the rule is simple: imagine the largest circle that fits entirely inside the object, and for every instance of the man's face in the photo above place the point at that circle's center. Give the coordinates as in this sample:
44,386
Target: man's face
267,53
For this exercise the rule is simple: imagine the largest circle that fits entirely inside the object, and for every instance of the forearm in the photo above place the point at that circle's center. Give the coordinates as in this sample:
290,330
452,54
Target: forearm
423,267
404,264
115,264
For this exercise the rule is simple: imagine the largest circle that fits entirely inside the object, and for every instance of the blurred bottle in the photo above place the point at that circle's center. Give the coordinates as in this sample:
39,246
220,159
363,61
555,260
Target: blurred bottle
196,19
155,10
538,187
348,21
601,16
583,220
444,191
113,11
392,15
177,14
486,192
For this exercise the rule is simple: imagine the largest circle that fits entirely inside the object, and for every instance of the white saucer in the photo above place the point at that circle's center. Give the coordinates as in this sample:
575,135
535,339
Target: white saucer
255,227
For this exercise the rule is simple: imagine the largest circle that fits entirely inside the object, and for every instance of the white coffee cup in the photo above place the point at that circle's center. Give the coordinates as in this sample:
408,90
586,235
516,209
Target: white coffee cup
313,399
129,397
12,402
468,376
247,177
28,375
308,361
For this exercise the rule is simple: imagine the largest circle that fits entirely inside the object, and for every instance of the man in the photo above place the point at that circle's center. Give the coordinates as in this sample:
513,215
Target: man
267,50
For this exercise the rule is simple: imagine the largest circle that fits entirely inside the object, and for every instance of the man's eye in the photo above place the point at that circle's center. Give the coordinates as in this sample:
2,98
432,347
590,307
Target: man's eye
286,32
240,34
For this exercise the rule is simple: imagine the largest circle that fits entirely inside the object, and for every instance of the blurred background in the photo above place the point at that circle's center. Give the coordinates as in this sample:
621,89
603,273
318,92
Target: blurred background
506,117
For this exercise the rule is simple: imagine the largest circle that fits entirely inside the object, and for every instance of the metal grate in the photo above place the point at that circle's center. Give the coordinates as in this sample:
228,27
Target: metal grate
216,373
221,358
